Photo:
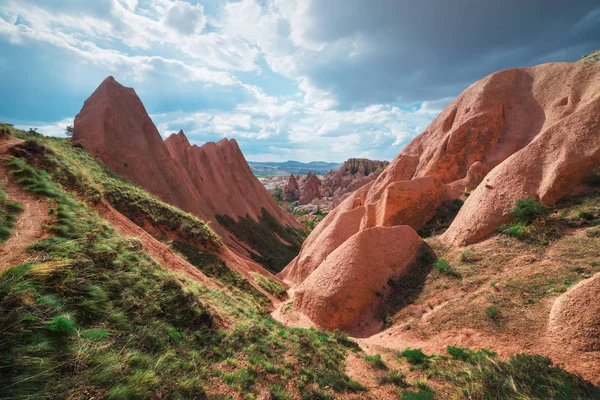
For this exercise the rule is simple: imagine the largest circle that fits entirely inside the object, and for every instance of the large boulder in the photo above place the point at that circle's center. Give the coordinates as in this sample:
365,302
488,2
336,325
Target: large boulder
574,324
346,289
310,188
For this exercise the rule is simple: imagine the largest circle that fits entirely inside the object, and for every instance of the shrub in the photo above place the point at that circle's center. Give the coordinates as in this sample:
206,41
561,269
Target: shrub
61,327
492,312
444,267
414,356
424,393
586,215
528,210
376,361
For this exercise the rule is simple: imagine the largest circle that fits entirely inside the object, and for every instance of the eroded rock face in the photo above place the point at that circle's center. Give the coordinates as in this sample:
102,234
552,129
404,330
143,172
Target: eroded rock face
206,181
346,289
532,132
310,188
574,323
291,190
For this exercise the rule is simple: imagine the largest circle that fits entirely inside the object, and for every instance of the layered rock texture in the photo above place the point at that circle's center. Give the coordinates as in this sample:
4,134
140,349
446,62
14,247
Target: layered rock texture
518,133
209,181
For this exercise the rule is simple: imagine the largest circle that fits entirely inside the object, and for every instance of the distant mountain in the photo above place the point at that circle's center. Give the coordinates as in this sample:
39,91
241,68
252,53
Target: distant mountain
292,167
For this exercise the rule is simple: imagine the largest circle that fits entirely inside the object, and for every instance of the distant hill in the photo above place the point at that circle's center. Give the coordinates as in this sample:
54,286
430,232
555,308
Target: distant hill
292,167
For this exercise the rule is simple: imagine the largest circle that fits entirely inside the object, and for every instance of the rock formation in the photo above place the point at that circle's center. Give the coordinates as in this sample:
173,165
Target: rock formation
291,190
531,132
310,188
345,290
207,181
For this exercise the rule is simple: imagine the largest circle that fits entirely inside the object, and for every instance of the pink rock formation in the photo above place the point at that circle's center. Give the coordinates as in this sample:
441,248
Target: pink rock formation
114,126
291,191
518,133
310,188
574,324
346,289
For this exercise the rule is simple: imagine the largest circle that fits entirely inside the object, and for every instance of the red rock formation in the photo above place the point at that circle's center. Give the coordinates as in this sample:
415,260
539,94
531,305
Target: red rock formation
114,126
349,285
291,191
529,132
310,188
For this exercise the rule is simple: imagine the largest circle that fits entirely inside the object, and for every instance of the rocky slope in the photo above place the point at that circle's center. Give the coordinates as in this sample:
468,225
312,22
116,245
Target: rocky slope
518,133
213,181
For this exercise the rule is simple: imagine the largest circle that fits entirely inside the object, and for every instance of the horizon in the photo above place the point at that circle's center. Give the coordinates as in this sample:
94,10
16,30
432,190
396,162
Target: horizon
297,80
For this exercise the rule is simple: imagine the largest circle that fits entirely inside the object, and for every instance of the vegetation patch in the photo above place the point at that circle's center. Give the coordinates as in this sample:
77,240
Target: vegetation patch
9,211
444,267
262,236
271,285
376,361
415,356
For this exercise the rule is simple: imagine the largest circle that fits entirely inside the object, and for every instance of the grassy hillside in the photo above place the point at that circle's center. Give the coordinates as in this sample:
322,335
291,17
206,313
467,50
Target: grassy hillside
93,315
592,58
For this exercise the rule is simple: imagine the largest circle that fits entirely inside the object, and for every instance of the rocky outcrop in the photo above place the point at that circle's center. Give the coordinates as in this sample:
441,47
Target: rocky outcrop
517,133
310,188
208,181
344,292
291,190
574,324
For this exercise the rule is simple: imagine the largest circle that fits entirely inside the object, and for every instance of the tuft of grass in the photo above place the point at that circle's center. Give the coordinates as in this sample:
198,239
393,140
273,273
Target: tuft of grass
61,326
396,378
271,285
415,356
424,392
586,215
444,267
8,214
376,361
492,312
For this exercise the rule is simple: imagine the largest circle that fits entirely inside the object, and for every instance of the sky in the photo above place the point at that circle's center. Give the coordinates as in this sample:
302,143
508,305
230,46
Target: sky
298,80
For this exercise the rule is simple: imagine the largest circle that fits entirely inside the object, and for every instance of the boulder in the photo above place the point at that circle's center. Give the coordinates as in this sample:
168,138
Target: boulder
347,288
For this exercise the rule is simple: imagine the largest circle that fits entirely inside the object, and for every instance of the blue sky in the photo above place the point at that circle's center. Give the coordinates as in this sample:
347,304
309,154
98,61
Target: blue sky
289,79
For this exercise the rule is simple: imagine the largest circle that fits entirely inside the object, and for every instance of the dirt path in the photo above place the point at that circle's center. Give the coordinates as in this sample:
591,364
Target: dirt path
29,226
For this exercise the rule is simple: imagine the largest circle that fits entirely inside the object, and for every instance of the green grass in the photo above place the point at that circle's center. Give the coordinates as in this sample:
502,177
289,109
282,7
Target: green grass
376,361
262,237
96,313
213,267
271,285
444,267
395,377
8,214
492,312
528,210
75,170
415,356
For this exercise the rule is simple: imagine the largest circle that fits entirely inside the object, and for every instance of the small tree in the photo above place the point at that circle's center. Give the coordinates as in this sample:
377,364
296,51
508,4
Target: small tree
69,130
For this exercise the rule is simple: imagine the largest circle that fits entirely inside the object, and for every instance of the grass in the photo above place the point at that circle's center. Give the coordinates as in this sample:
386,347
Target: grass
376,361
271,285
415,356
97,314
479,375
492,312
263,236
444,267
396,378
8,214
74,169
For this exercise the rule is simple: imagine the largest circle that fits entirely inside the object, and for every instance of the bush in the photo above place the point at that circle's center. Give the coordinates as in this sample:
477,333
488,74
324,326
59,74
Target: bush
492,312
414,356
588,216
395,377
528,210
444,267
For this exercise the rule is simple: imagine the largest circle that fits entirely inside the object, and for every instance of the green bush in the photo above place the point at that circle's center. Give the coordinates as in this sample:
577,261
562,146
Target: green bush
585,215
395,377
492,312
528,210
414,356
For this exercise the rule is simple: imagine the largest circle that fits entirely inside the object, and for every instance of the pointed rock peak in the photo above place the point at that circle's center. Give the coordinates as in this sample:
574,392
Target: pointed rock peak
180,138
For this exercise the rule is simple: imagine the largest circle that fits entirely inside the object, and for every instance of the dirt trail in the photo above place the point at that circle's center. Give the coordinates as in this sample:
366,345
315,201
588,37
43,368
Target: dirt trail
28,228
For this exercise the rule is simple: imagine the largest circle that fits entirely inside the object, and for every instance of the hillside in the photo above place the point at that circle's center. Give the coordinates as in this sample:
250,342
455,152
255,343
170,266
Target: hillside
93,306
291,167
213,182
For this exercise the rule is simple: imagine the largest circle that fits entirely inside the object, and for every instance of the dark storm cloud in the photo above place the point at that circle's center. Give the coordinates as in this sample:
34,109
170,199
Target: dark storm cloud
420,50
